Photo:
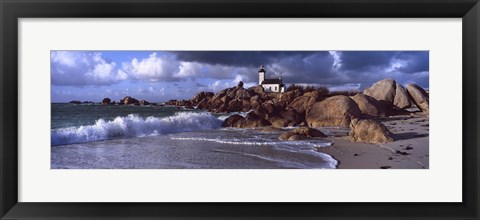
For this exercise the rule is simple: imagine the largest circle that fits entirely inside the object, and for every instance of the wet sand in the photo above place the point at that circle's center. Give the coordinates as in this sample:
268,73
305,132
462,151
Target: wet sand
210,149
410,150
253,149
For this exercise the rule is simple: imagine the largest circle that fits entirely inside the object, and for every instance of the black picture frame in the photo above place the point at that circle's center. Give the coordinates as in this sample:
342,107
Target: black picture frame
12,10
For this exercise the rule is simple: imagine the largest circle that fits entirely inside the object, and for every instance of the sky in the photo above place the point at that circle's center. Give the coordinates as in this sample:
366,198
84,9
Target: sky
159,76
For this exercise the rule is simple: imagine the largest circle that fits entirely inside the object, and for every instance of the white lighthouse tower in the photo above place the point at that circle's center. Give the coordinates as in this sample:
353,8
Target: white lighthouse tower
261,74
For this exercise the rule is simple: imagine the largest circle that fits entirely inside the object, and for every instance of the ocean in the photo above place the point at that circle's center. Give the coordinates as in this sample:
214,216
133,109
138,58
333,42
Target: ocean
91,136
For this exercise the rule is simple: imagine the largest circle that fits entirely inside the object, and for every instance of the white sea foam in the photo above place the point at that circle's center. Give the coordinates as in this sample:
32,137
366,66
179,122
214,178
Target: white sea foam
135,126
225,116
305,147
234,141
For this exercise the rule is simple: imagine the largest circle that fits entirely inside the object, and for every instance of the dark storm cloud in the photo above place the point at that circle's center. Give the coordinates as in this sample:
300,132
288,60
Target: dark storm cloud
321,67
410,61
293,66
191,71
417,61
239,58
315,67
368,67
361,60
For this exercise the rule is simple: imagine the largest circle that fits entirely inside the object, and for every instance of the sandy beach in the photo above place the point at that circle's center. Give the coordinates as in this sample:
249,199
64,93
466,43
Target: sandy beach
408,151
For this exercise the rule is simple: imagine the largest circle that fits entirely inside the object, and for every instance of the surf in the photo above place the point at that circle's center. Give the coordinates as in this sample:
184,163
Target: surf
135,126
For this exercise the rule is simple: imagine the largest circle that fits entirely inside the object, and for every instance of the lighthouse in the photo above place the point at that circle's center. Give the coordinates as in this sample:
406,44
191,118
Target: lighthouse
261,74
269,85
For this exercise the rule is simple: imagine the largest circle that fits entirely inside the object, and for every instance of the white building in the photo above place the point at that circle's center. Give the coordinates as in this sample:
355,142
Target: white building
270,85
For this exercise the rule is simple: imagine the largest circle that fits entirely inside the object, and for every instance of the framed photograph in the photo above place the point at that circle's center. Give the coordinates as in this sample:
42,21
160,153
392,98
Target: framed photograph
226,109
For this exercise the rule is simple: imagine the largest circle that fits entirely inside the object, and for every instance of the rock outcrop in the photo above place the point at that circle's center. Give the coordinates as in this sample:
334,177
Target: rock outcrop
402,98
106,101
369,131
252,120
257,90
76,102
383,90
301,133
334,111
285,118
300,106
232,120
129,101
370,106
303,103
201,96
419,96
144,102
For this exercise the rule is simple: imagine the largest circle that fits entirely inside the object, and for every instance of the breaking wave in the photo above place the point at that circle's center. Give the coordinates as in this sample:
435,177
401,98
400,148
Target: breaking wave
135,126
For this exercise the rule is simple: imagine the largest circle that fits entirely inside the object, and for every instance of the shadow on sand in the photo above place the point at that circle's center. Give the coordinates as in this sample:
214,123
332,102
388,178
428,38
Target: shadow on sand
408,135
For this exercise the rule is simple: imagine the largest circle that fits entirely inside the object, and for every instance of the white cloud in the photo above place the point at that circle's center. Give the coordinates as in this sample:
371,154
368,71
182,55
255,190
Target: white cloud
217,85
337,60
83,68
223,84
121,75
154,68
78,68
345,87
193,70
64,58
188,69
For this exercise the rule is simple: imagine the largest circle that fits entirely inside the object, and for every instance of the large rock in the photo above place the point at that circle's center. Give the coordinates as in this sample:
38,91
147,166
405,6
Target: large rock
402,98
257,90
215,105
255,105
219,100
235,105
301,133
201,96
334,111
188,104
232,120
383,90
299,104
316,95
130,101
219,95
106,101
204,105
369,106
419,96
226,99
285,118
369,131
169,102
289,96
303,103
271,108
144,102
231,93
243,94
252,120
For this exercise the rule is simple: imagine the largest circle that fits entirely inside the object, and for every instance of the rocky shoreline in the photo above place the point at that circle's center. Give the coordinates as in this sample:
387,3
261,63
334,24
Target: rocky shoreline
310,108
